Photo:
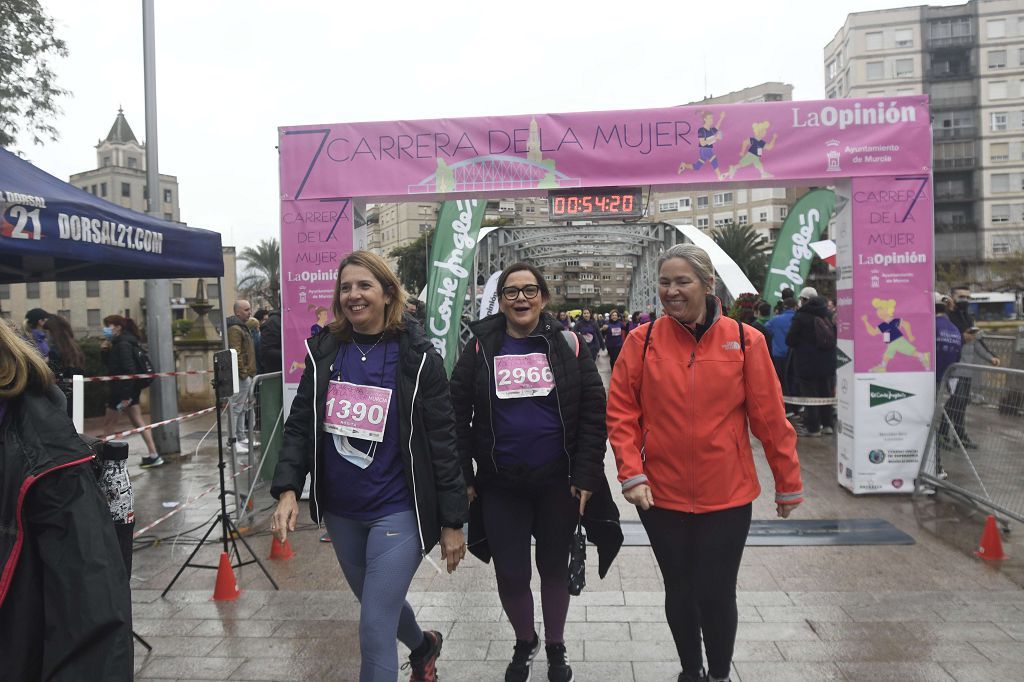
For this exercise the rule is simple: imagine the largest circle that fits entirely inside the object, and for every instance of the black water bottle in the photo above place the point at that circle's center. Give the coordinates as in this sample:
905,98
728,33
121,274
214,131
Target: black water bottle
117,488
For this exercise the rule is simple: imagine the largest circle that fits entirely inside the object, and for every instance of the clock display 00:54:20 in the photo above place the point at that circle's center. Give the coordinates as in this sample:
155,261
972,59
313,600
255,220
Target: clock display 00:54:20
601,203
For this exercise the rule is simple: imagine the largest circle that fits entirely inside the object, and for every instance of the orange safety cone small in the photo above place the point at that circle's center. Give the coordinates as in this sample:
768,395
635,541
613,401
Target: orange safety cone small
226,588
991,546
281,550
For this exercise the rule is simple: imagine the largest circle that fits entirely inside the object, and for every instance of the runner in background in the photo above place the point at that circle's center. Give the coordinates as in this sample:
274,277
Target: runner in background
66,358
614,334
589,331
563,319
120,350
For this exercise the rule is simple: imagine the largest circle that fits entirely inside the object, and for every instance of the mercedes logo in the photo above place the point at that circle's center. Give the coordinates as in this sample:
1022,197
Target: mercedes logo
893,418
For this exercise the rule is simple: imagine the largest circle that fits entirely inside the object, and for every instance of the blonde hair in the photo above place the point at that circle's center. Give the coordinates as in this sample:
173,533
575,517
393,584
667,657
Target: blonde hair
884,305
21,365
762,126
388,281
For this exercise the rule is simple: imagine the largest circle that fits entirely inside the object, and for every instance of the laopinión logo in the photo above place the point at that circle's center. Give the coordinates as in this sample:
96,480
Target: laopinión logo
880,395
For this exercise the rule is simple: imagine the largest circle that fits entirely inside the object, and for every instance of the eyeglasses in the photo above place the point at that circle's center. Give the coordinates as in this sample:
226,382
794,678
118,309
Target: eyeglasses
512,293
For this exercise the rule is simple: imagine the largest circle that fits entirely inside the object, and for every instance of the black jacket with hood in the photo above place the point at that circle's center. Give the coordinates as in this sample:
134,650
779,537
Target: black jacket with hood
427,432
581,405
65,603
808,360
120,359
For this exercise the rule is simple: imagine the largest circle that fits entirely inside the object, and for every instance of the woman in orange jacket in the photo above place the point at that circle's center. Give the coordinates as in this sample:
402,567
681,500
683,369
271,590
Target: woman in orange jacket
682,394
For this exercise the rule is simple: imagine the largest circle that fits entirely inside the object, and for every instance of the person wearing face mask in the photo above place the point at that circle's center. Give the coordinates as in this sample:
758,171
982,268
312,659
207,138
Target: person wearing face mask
589,330
529,411
683,393
372,422
122,340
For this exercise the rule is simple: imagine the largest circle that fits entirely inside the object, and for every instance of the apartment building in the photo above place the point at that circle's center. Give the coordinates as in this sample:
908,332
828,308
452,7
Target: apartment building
764,209
120,177
969,60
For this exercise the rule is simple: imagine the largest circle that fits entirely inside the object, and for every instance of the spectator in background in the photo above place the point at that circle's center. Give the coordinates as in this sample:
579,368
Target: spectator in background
806,294
783,295
35,321
948,348
65,603
417,309
960,313
812,338
778,327
270,341
254,330
241,341
66,358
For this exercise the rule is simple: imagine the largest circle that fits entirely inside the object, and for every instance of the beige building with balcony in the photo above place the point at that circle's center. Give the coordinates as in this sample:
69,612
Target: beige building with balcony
121,179
969,60
763,208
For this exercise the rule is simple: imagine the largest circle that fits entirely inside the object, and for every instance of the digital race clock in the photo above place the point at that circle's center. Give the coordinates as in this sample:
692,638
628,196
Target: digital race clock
609,202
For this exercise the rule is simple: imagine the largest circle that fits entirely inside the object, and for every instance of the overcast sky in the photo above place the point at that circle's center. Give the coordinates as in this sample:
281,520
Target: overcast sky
230,72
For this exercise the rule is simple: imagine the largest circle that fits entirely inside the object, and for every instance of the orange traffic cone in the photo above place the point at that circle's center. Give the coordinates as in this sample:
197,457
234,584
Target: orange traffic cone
226,588
281,550
991,547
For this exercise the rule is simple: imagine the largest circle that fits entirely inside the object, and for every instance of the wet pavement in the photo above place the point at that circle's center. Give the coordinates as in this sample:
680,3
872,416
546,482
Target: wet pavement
928,611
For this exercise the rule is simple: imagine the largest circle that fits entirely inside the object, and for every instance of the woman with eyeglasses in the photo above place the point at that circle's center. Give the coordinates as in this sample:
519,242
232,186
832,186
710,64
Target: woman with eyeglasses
529,411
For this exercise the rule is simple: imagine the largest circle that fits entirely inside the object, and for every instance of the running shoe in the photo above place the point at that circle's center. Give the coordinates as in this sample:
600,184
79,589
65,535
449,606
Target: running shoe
241,448
558,666
692,677
152,461
425,669
827,430
522,659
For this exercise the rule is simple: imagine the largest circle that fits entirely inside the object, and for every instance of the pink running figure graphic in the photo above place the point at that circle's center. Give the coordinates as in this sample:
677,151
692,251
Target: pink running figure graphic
707,135
753,148
896,333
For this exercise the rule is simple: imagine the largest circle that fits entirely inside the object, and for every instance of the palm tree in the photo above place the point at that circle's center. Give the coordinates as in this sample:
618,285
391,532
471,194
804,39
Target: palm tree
744,245
262,276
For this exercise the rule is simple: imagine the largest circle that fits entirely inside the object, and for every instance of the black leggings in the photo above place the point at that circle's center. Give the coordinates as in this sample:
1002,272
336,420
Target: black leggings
548,514
699,556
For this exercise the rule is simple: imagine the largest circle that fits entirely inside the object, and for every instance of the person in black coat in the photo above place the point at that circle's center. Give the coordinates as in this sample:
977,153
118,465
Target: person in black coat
812,340
120,351
270,341
65,603
530,414
372,422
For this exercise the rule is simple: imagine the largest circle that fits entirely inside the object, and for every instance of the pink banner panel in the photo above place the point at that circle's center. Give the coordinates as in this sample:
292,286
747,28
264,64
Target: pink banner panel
893,274
759,142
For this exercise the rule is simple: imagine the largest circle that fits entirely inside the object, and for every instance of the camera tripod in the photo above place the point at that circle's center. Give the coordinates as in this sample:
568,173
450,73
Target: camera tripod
229,531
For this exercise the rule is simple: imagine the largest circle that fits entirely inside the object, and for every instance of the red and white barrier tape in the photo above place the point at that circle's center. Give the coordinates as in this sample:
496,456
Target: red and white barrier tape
182,418
184,504
127,377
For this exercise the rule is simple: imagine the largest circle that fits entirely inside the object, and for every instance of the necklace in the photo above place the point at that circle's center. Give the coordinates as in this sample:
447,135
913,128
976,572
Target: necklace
363,358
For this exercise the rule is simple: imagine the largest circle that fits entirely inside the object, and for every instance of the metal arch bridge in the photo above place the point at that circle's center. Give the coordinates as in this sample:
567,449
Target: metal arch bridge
636,246
493,172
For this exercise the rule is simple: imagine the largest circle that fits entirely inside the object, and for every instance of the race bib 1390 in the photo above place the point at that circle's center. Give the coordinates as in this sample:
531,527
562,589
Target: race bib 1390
522,376
356,411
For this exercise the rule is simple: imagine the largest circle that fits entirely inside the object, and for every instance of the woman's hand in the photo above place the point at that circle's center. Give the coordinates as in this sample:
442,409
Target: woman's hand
285,516
583,495
640,495
471,494
453,547
784,510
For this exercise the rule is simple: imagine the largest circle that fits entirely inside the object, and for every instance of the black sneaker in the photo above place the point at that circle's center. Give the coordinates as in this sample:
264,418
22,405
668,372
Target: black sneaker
522,658
150,462
425,669
692,677
558,666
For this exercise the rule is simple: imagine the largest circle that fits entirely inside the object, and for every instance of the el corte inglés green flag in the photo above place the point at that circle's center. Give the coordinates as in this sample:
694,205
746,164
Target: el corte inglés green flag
451,267
791,259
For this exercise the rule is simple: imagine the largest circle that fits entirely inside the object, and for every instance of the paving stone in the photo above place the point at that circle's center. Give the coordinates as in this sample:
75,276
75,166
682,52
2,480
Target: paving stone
894,651
800,614
786,672
982,672
291,669
260,647
234,628
190,668
177,646
1001,651
896,672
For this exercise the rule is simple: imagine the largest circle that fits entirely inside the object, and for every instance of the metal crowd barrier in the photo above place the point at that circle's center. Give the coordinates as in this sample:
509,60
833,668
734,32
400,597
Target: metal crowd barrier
265,425
974,446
